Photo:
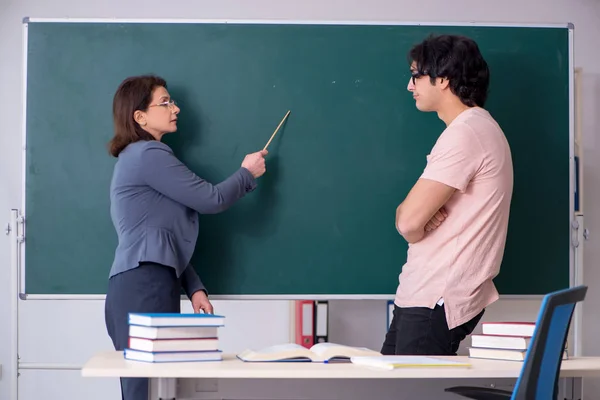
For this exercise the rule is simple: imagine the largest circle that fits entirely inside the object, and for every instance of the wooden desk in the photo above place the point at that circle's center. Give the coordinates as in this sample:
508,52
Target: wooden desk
113,364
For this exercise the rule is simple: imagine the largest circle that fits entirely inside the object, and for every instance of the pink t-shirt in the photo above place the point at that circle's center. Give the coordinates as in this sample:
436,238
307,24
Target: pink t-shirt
458,260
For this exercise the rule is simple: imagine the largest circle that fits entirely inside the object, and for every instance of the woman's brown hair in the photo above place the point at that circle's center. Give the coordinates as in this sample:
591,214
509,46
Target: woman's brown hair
134,93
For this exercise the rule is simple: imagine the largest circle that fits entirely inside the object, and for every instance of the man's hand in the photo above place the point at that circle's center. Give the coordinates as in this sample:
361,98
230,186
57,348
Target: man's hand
436,220
200,302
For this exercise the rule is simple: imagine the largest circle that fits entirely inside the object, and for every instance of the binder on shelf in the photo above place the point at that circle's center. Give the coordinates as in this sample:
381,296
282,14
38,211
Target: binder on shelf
304,311
390,312
321,308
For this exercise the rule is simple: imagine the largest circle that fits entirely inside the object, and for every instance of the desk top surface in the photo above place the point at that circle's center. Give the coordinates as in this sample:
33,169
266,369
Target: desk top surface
113,364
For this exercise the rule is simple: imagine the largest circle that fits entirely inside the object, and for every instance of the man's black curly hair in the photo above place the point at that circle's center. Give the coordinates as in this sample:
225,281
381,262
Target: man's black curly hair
458,59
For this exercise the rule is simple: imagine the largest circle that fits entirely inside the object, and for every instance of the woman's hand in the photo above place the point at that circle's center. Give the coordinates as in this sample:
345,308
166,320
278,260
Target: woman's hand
200,302
255,163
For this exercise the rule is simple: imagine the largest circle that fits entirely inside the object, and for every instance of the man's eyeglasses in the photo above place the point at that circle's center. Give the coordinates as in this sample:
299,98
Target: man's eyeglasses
414,76
169,103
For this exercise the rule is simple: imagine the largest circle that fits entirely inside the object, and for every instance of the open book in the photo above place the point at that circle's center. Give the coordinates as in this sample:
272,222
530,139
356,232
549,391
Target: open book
320,352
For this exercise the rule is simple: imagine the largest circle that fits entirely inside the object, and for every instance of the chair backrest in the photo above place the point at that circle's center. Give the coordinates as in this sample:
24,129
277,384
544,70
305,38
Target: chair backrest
539,376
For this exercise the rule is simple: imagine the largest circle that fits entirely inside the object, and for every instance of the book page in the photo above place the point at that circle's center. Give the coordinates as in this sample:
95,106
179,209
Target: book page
279,352
328,351
282,348
321,348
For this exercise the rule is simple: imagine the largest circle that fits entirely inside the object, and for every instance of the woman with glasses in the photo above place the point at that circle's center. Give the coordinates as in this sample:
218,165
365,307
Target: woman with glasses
155,201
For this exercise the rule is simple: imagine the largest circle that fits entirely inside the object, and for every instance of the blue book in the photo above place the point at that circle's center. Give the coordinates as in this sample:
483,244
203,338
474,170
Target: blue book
175,319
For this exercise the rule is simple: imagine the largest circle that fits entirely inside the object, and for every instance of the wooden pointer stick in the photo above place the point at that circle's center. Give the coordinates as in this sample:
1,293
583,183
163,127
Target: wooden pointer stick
273,135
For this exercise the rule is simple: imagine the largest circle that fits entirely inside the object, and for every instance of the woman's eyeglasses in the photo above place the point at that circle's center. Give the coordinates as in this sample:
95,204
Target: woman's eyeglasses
169,103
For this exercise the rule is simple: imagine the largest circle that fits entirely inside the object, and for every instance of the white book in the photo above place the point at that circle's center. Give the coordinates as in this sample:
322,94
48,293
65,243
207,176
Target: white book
154,345
508,328
502,354
393,362
501,342
173,332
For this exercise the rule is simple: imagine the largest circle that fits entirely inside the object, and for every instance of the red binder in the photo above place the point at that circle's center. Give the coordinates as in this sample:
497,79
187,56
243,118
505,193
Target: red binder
304,310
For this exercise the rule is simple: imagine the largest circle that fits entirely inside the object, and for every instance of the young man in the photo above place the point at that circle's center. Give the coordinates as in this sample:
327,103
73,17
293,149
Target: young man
455,217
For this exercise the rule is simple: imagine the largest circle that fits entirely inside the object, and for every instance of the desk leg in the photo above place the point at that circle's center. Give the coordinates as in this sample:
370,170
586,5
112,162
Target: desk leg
572,389
577,389
167,388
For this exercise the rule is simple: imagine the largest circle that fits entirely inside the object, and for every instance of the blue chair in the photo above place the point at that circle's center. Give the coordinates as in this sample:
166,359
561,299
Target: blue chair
539,376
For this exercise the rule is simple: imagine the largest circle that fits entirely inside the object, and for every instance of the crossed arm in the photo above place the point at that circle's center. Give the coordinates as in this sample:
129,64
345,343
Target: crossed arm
454,160
422,210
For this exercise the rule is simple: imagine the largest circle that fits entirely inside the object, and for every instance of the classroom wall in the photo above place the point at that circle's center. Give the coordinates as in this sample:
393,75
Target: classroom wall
77,326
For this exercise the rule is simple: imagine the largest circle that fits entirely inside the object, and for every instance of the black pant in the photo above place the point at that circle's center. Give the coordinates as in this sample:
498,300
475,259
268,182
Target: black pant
149,288
424,331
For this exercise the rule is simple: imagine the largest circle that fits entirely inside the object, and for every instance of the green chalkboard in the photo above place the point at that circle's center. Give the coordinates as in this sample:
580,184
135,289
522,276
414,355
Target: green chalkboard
322,219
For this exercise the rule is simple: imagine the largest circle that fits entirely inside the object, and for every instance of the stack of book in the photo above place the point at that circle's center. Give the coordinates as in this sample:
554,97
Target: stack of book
502,340
164,337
